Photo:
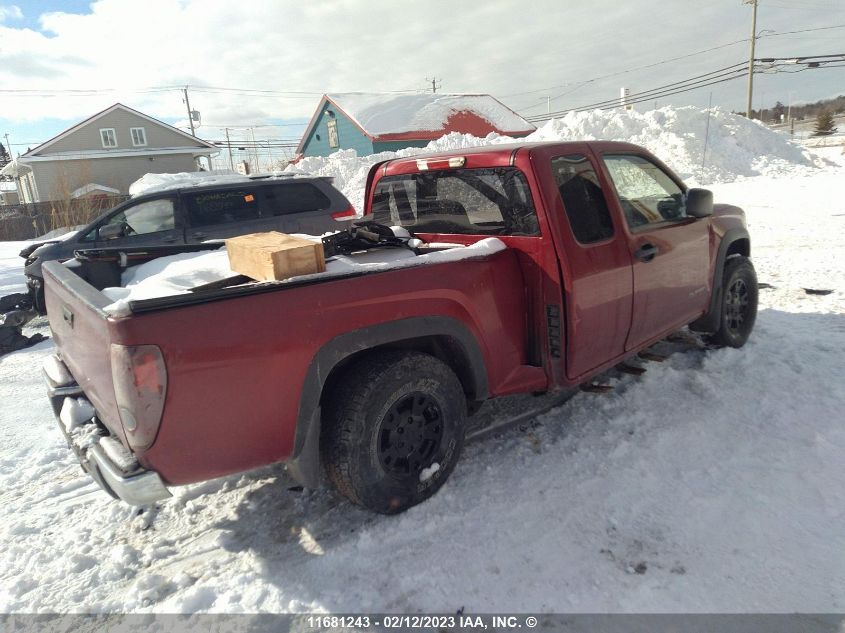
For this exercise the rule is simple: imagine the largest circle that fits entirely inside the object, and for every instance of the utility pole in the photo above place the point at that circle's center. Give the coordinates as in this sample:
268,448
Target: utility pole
229,145
707,131
190,115
8,147
753,4
433,81
254,148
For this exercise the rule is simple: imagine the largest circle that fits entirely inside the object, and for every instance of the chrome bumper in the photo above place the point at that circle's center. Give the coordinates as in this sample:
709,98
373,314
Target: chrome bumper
138,488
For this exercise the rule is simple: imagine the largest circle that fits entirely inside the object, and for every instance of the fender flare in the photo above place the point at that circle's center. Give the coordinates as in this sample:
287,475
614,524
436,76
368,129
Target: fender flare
304,463
712,320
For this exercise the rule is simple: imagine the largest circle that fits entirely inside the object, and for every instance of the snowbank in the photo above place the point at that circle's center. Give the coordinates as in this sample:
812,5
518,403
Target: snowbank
736,147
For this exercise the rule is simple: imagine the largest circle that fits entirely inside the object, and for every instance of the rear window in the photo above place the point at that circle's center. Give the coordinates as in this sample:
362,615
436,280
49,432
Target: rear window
222,207
295,197
473,201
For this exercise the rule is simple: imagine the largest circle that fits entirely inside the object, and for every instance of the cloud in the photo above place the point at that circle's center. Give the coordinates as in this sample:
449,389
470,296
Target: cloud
127,51
8,11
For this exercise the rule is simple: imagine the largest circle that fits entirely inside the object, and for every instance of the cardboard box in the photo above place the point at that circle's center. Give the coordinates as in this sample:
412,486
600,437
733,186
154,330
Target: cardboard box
273,256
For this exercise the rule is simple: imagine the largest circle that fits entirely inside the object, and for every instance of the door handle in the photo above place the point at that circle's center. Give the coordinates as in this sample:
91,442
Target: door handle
646,252
168,239
198,236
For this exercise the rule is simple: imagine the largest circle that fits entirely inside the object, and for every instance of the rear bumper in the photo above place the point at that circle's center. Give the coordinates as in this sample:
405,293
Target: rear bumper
133,484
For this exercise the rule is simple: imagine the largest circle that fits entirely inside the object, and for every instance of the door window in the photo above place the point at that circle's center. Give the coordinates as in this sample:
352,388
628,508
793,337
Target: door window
647,194
221,207
151,216
582,198
295,197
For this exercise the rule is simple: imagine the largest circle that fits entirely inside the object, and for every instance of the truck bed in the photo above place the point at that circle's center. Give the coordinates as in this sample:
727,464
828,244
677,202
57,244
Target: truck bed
237,358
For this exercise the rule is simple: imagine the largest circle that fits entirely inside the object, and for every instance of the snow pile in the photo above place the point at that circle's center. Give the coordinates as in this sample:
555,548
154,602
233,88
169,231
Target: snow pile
151,183
75,412
57,372
347,169
178,274
165,276
736,147
381,114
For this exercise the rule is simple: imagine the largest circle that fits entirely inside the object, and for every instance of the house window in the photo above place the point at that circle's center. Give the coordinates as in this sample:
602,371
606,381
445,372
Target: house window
139,136
108,137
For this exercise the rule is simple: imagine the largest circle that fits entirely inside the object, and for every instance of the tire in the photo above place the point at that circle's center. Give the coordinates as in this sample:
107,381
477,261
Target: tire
391,416
38,301
738,309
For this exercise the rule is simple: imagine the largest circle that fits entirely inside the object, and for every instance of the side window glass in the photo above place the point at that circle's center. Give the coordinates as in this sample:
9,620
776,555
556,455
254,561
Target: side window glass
151,216
582,198
221,207
295,197
647,194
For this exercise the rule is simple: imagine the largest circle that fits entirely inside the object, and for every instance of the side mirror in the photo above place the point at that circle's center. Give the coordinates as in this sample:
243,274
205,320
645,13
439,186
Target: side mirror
112,231
699,203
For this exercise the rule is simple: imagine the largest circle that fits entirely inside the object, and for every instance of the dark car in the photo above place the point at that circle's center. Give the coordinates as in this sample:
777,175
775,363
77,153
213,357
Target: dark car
191,215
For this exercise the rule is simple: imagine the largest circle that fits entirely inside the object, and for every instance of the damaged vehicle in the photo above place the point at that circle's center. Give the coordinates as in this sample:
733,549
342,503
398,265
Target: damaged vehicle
479,273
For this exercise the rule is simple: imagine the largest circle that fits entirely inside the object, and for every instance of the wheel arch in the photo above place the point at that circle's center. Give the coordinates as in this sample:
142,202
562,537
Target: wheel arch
735,242
445,338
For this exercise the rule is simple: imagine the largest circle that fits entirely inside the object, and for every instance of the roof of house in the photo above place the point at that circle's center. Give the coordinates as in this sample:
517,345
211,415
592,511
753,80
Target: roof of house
397,117
197,141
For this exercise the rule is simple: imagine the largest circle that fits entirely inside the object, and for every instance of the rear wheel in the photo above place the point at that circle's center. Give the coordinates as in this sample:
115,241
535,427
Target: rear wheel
739,303
393,430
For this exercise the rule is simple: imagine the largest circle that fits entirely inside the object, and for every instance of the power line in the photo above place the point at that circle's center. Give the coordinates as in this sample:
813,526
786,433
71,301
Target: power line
580,84
729,73
721,72
217,125
629,70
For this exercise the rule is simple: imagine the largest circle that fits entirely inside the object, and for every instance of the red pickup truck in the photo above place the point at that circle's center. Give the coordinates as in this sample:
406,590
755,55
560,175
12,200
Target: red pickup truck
369,376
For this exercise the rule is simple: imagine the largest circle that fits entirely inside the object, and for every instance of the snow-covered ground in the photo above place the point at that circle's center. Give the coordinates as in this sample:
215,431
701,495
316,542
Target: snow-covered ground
715,482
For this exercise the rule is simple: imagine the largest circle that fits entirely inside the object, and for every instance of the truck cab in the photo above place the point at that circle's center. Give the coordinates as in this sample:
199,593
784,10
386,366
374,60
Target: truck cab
617,252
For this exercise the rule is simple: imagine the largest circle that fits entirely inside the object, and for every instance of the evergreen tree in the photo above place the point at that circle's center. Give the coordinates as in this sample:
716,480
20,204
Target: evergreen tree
824,124
5,159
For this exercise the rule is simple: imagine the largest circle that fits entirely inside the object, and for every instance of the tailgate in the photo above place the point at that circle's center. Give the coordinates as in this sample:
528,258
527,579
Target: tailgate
82,332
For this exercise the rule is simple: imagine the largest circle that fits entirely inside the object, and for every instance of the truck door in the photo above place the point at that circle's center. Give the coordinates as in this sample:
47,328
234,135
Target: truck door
598,306
669,250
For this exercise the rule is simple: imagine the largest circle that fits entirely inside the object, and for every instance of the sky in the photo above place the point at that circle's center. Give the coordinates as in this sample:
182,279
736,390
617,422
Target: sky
267,62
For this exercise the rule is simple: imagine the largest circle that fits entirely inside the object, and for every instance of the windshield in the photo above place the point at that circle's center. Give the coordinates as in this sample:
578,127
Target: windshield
463,201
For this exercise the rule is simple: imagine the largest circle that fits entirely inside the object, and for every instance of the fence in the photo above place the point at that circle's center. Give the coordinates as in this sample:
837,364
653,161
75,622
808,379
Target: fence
31,220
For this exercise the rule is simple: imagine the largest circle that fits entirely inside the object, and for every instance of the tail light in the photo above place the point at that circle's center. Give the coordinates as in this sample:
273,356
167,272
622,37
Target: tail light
348,214
140,385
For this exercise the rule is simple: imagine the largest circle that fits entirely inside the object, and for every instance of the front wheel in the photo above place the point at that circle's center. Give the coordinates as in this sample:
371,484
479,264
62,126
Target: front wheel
393,430
739,303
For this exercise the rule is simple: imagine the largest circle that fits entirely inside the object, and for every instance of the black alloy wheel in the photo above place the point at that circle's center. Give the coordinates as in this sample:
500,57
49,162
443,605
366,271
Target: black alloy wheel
410,434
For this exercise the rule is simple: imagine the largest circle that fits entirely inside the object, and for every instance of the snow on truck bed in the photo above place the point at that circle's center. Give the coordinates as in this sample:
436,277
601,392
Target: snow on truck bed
178,274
